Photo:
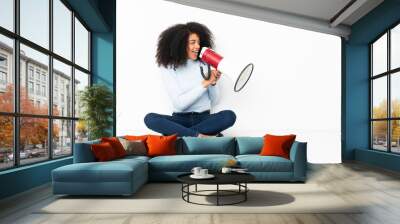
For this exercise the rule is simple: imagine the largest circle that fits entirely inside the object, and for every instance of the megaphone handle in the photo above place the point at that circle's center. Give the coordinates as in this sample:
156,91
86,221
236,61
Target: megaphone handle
205,77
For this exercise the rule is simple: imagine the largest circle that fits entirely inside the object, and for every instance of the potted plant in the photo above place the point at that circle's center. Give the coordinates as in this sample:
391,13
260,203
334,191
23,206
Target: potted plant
96,102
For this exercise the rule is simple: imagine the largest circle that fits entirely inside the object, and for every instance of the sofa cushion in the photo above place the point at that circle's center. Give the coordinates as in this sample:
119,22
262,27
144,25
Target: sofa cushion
185,163
136,147
277,145
209,145
161,145
111,171
116,145
103,152
249,145
257,163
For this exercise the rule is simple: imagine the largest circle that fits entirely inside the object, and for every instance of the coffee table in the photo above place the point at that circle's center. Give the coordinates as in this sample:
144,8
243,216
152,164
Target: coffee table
238,179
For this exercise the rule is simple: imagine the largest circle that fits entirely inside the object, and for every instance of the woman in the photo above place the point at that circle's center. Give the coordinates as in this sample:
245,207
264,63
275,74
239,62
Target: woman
192,96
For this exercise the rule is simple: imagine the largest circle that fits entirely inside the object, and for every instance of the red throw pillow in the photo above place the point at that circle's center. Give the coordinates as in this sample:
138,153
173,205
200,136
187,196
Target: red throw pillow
161,145
277,145
136,138
116,145
103,151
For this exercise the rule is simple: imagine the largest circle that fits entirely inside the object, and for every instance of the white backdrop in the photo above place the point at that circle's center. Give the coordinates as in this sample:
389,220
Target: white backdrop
295,87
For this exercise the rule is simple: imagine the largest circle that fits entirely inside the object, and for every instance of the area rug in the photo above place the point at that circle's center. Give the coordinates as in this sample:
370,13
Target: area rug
167,198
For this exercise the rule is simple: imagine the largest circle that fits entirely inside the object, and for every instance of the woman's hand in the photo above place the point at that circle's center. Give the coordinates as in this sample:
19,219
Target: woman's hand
214,76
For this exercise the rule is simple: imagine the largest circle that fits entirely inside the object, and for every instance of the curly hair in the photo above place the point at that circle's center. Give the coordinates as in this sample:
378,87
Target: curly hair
172,43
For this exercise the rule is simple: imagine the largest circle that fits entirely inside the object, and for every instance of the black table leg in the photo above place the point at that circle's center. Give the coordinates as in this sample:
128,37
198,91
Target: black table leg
245,193
217,194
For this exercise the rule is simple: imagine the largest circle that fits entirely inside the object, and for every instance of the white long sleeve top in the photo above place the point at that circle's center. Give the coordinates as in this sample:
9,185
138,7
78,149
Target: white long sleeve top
185,89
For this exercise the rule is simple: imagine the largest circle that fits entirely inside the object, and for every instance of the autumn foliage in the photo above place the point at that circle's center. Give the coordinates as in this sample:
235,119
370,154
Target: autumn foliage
380,127
33,131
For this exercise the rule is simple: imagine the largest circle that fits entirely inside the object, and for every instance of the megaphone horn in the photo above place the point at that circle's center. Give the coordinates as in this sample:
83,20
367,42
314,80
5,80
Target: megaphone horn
239,72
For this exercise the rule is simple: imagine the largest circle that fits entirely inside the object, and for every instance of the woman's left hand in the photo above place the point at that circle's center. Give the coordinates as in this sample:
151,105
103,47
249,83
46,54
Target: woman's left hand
216,74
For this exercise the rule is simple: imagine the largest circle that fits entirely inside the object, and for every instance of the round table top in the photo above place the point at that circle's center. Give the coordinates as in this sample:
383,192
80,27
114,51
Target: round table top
220,178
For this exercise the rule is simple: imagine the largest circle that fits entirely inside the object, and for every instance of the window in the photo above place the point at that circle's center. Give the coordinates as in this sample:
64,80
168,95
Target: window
30,87
6,142
37,74
7,14
3,61
81,45
45,131
43,77
62,29
30,72
44,91
62,137
3,78
81,81
3,72
62,75
37,89
35,21
385,92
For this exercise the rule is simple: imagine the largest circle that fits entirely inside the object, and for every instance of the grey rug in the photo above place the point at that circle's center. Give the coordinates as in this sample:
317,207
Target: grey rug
166,198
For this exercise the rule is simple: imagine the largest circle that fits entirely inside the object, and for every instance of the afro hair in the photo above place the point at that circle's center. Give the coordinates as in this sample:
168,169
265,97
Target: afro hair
172,43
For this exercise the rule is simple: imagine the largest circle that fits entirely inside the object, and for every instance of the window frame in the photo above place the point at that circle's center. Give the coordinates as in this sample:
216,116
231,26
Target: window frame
388,74
15,72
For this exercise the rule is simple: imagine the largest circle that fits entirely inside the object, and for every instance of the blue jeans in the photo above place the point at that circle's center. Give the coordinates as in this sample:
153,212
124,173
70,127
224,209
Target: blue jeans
190,123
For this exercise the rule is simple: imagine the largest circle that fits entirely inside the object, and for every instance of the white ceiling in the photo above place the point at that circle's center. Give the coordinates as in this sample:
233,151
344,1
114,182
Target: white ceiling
315,15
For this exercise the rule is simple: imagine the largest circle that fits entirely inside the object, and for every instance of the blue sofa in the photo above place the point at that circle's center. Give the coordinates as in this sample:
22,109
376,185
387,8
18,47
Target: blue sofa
125,176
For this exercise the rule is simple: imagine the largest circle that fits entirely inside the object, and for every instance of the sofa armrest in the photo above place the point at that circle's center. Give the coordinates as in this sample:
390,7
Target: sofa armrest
83,152
298,155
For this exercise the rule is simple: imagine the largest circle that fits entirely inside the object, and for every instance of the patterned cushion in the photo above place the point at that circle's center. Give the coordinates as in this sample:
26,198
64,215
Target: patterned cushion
136,147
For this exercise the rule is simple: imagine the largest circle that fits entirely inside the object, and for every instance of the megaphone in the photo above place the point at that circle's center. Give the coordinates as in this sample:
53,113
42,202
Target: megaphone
238,71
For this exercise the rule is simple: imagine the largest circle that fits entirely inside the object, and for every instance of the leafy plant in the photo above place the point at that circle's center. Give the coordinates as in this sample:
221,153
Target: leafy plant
96,102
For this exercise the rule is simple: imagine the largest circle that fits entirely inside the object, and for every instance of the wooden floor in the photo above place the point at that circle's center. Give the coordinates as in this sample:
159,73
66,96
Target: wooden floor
377,188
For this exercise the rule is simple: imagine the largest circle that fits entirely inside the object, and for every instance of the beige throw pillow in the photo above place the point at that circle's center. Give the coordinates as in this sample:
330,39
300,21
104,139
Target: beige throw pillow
136,148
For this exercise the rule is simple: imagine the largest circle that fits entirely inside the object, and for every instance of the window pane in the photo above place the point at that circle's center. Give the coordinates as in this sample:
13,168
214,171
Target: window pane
395,94
81,131
33,140
7,14
35,21
395,47
81,45
379,135
62,137
81,81
62,89
379,55
34,81
6,74
395,136
62,29
379,97
6,142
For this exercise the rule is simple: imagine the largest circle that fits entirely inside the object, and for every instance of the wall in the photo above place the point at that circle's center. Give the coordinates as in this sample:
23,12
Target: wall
357,101
100,17
295,87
